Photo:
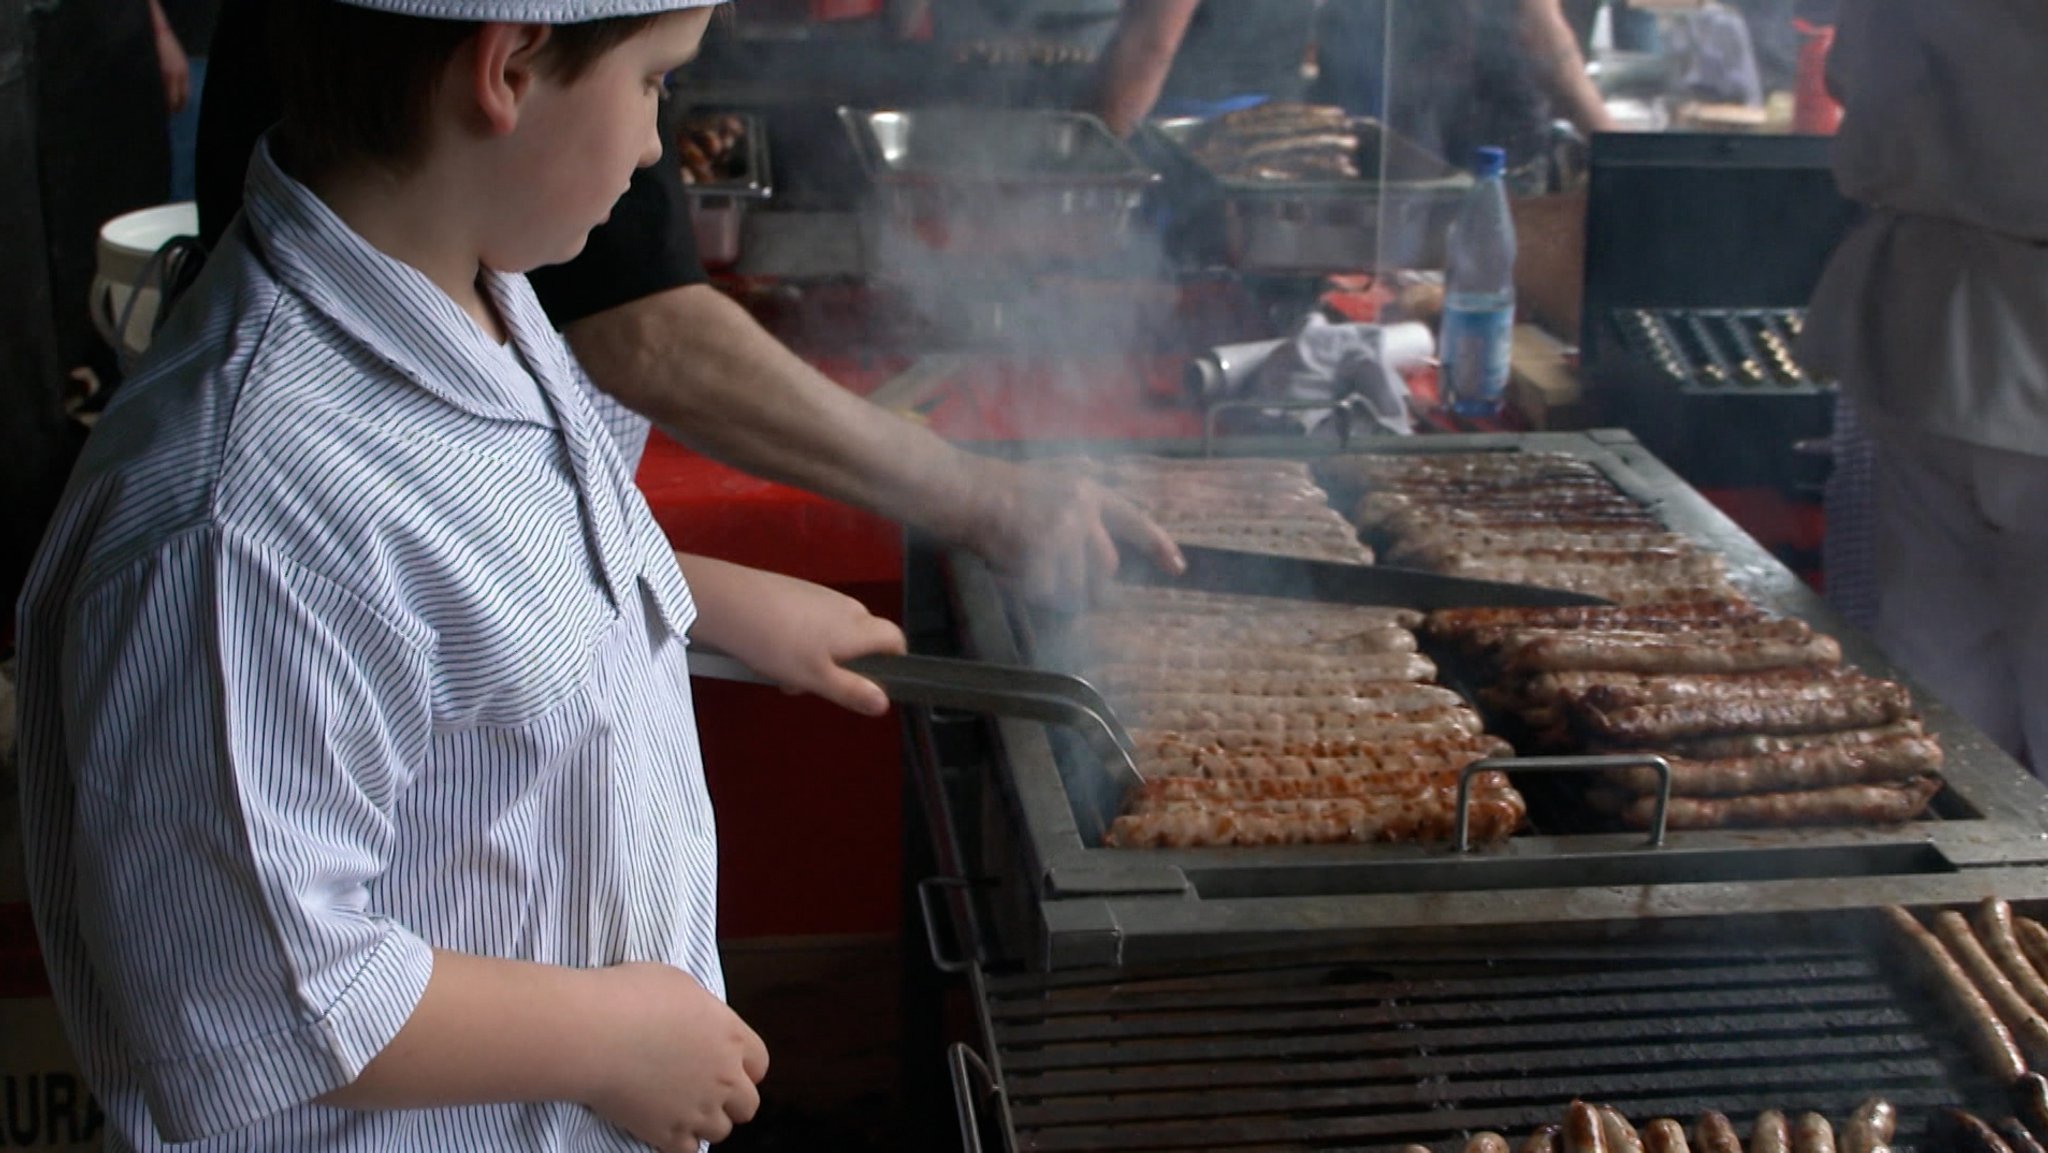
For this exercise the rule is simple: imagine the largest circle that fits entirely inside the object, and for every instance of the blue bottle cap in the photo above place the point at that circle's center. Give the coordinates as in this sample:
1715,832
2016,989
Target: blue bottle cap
1489,162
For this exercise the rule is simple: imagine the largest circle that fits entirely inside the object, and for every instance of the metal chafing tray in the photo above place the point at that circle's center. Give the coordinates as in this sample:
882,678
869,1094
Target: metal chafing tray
1396,216
1064,901
718,210
1010,185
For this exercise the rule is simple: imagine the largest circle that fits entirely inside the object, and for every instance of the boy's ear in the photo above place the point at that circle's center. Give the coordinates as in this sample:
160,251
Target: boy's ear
503,70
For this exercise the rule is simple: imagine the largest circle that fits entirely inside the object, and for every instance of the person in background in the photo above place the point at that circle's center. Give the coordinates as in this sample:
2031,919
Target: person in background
637,309
183,30
362,800
1933,315
1464,74
1196,57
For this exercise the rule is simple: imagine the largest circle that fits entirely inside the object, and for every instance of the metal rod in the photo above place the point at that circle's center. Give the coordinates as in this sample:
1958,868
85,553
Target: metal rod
964,1062
1594,764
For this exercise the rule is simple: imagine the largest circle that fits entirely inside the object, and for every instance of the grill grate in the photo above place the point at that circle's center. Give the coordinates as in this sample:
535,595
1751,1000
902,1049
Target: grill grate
1374,1052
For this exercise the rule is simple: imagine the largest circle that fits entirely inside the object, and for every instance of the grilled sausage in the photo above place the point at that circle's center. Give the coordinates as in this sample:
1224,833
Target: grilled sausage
1995,929
1487,1143
2029,1029
1426,816
1118,635
1381,697
1542,1139
1769,645
1655,726
1665,1136
2033,941
1425,724
1770,1133
1823,767
1704,614
1366,667
2030,1100
1758,744
1584,1129
1845,805
1239,756
1870,1127
1811,1133
1620,1135
1608,689
1959,1132
1989,1038
1172,790
1415,1149
2018,1136
1714,1133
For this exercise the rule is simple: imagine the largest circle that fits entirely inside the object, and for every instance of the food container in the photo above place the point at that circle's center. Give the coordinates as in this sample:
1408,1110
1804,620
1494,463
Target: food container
1394,216
718,209
996,186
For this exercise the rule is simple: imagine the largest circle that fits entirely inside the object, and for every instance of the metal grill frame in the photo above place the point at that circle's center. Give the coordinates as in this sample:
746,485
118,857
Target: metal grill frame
1069,903
1429,1045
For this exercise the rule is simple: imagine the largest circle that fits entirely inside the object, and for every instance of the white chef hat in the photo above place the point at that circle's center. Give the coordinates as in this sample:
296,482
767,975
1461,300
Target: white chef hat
528,11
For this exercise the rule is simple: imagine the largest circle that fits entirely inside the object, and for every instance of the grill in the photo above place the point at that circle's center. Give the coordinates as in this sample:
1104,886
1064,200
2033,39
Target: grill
1370,1051
1364,997
1067,903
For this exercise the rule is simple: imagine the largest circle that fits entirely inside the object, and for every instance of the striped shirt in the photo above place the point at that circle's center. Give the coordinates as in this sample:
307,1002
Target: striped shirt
352,638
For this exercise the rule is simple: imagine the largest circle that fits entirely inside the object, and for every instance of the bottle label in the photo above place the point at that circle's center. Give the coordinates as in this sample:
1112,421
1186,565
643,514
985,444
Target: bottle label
1476,347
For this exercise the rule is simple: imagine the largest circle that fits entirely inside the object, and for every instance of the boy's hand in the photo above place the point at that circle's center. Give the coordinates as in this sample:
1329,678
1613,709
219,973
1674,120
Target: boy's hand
794,632
682,1067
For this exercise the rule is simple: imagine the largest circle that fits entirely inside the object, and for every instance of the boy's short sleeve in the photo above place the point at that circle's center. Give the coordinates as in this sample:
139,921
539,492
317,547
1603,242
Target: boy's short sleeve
240,731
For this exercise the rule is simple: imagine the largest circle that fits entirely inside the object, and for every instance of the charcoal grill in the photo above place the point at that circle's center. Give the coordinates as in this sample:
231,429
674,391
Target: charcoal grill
1034,811
1372,1050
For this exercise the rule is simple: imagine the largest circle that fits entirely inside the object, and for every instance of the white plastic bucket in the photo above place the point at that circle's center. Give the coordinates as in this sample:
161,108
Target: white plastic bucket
126,245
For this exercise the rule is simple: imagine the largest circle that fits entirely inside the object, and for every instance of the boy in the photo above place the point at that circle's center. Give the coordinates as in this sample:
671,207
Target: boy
361,788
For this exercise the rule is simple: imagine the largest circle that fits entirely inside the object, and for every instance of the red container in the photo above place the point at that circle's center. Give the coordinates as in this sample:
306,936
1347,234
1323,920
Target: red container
1814,110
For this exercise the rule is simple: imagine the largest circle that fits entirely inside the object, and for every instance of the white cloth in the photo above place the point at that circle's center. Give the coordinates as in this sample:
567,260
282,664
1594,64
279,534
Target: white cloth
1935,310
1362,363
1962,549
351,638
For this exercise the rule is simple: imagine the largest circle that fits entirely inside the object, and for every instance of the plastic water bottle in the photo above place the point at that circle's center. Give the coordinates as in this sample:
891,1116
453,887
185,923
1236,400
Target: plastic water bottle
1479,294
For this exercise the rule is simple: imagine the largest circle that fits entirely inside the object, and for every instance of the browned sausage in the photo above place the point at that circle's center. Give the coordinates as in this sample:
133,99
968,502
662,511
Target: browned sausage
1583,1129
1995,929
1988,1036
1811,1133
1770,1133
2028,1028
1956,1131
2017,1135
1648,726
2033,941
1714,1133
2030,1101
1870,1127
1487,1143
1843,805
1621,1136
1664,1136
1543,1139
1899,759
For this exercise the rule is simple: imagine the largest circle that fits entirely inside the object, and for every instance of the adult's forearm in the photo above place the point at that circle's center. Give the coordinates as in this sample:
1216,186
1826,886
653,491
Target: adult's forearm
698,365
486,1031
1551,46
1139,57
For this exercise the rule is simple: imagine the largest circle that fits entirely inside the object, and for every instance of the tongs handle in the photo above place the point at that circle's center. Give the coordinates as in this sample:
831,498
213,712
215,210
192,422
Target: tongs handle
1567,764
976,687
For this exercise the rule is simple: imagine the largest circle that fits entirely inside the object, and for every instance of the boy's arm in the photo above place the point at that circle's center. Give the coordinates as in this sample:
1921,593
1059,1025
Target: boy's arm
791,631
644,1046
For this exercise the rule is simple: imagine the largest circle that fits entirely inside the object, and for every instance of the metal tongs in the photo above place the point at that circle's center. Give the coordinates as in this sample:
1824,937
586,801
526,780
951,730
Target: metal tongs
977,687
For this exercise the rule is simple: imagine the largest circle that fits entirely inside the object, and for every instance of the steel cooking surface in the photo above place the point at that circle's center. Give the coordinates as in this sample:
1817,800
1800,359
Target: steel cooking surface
1373,1052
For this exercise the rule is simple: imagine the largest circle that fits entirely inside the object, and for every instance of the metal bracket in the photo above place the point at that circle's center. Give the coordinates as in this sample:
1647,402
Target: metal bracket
965,1064
1598,764
940,961
1347,410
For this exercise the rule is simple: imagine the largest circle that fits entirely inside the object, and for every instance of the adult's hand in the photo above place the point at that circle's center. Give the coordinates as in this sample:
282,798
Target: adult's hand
1055,536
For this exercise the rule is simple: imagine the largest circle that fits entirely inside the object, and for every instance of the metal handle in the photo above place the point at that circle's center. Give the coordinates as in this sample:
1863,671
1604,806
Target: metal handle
925,888
1344,407
965,1062
1598,764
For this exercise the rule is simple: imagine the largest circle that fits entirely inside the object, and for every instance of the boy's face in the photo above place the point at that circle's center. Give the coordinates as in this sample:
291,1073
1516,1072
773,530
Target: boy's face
578,142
